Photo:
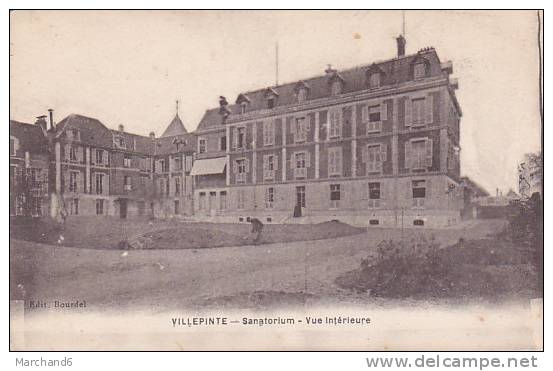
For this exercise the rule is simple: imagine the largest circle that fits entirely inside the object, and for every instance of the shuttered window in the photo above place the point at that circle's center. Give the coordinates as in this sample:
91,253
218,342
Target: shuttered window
335,124
268,133
335,196
418,153
335,161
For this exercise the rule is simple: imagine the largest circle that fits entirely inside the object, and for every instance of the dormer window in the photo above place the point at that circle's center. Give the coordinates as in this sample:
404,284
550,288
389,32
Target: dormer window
271,103
73,134
302,90
119,141
374,80
336,87
243,107
420,70
302,95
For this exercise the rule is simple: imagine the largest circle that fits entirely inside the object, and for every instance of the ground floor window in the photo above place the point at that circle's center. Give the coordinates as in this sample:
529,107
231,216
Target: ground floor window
374,195
74,206
300,196
141,206
99,207
335,196
419,192
36,206
223,200
269,197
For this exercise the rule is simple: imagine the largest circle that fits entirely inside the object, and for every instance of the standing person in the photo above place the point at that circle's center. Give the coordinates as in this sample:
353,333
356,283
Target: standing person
257,227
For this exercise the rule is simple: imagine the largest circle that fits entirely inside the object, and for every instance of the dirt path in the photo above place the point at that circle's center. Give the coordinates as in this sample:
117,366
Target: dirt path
162,279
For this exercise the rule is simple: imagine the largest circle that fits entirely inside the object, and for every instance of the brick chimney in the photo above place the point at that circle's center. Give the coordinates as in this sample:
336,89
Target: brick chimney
121,128
401,42
51,113
152,135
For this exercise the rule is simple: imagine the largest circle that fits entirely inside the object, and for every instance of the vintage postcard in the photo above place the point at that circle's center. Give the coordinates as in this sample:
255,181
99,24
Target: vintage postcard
276,180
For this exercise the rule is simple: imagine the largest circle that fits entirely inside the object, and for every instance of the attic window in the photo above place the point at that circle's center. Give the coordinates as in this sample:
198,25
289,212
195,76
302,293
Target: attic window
119,141
271,103
336,87
302,95
243,107
374,80
420,70
73,134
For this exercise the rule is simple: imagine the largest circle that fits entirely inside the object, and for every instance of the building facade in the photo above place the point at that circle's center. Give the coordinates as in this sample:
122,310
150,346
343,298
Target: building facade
374,145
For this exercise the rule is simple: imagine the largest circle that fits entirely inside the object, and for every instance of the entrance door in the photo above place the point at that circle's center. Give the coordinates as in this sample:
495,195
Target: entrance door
123,208
177,207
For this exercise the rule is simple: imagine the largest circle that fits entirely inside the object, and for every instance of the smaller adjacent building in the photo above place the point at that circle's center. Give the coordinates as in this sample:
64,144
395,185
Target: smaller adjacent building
29,159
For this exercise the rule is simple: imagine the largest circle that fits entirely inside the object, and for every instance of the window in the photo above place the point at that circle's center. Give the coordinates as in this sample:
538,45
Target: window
163,166
418,154
269,166
302,95
73,176
419,71
335,161
374,195
240,170
240,137
188,163
127,161
271,103
99,207
99,156
419,192
201,205
300,132
12,146
223,200
269,197
336,87
373,119
74,206
335,196
335,124
73,153
374,80
241,201
73,134
178,164
99,184
127,181
375,157
300,196
202,146
268,133
119,141
243,108
418,112
177,186
223,143
300,170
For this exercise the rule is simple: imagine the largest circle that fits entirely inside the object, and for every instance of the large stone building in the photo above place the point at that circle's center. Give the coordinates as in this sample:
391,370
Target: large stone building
374,145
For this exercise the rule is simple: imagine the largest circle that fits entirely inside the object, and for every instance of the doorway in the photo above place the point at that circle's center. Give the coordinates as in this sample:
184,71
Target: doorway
177,207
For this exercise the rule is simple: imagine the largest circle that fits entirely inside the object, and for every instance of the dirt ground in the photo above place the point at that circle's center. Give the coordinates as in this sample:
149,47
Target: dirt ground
286,273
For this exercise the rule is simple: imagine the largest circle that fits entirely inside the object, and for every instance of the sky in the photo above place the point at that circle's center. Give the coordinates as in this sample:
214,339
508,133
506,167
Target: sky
129,67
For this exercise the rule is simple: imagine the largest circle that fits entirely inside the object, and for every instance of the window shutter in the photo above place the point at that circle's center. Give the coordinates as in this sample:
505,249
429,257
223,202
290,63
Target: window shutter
307,159
428,191
235,137
275,162
265,162
365,114
92,156
331,161
429,109
408,109
383,111
409,190
105,157
293,160
307,123
382,193
429,152
247,165
80,154
365,154
408,155
235,166
339,122
67,149
383,152
339,161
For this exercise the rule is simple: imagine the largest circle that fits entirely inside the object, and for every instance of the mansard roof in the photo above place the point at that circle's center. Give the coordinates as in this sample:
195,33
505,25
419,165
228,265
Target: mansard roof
92,131
31,137
395,71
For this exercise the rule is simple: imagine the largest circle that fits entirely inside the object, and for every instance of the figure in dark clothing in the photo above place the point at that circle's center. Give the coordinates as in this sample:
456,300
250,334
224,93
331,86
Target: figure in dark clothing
257,227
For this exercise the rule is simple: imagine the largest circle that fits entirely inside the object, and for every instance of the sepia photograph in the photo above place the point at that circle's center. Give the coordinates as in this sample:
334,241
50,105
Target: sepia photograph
276,180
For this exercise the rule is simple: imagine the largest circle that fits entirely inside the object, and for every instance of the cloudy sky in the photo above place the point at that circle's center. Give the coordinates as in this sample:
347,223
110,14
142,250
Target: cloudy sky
129,67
